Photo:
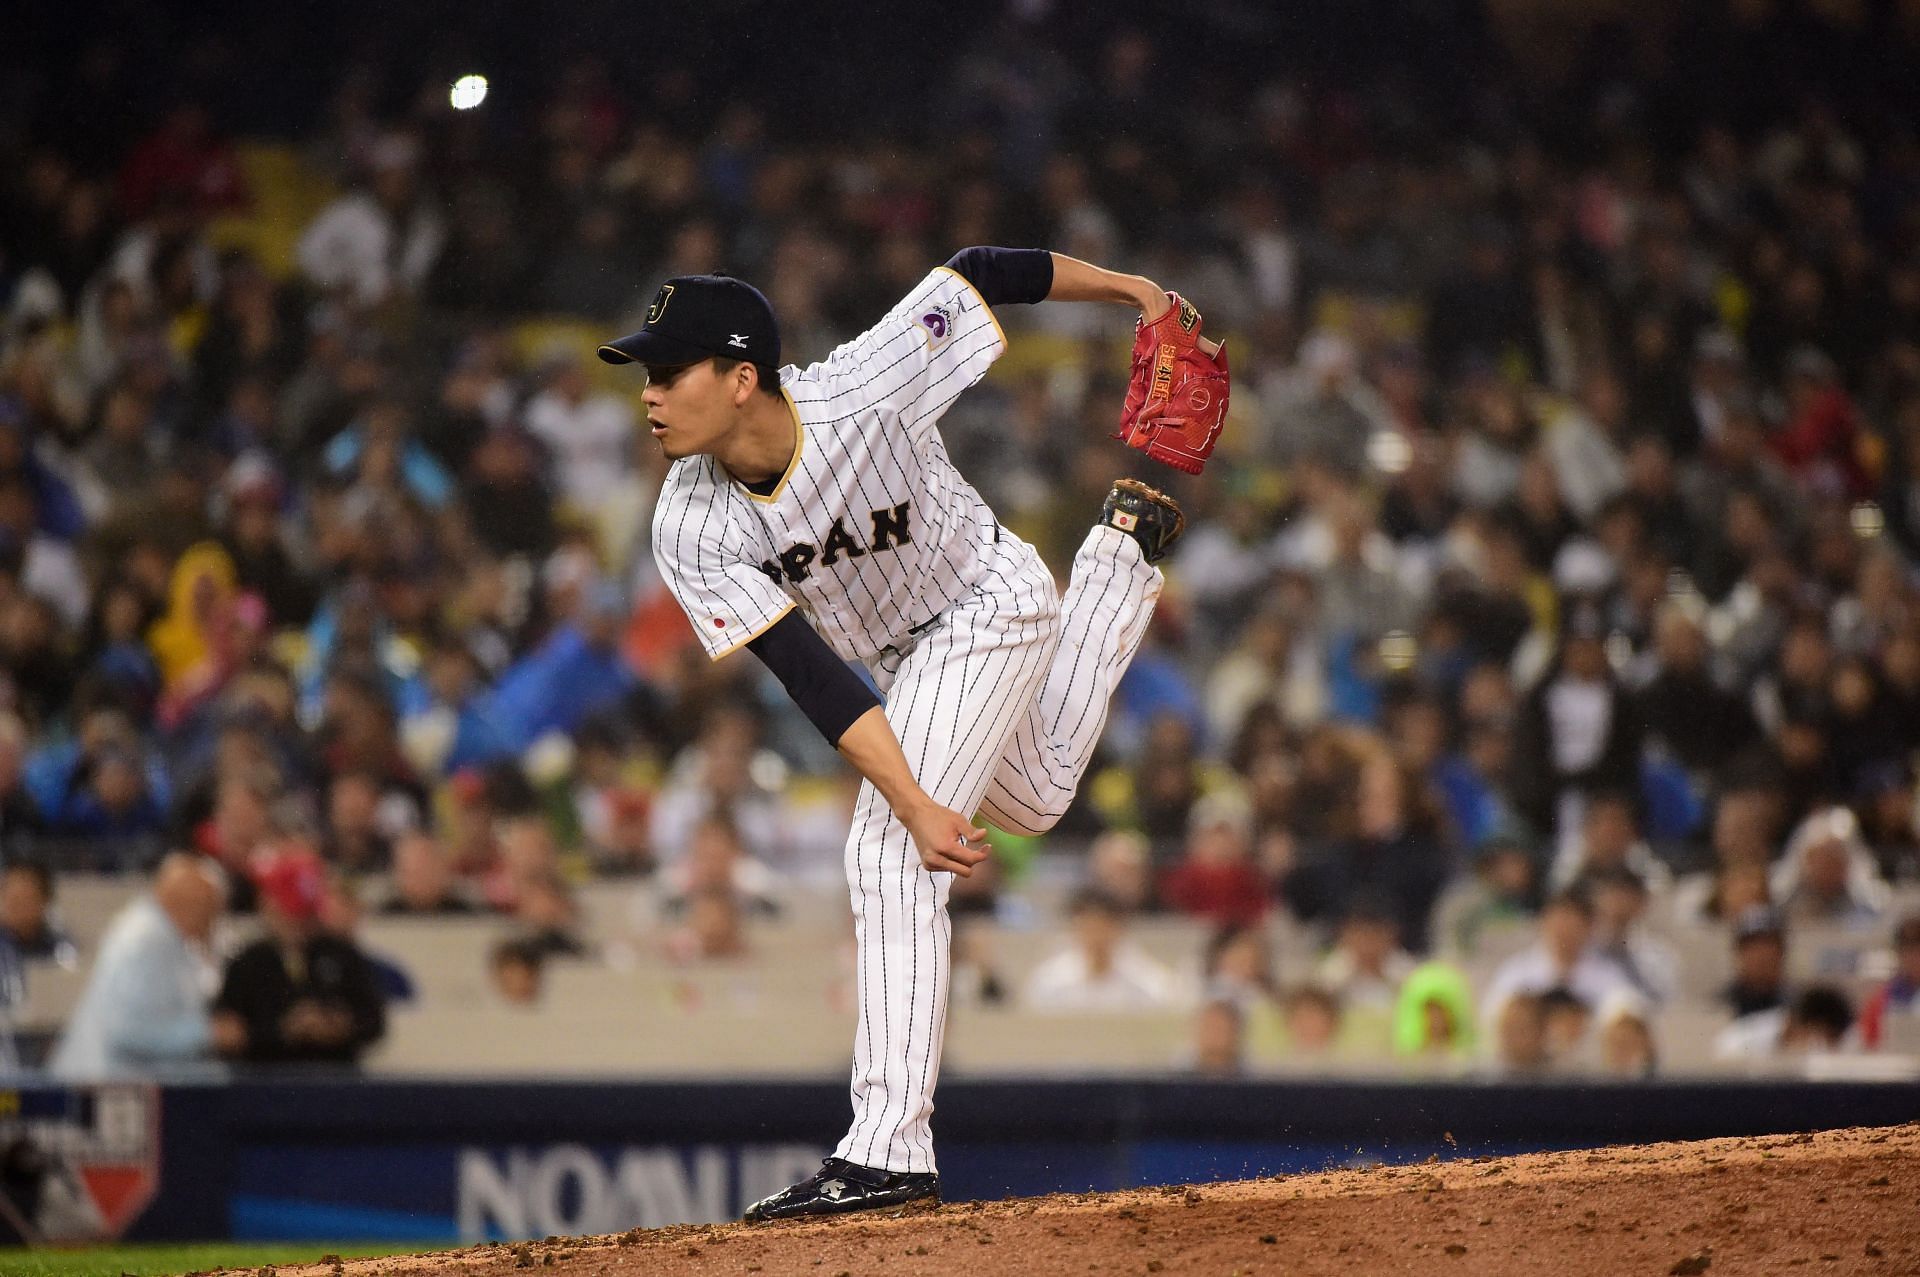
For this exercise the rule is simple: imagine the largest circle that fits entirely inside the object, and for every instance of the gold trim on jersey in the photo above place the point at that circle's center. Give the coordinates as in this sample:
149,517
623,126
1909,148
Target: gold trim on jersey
799,442
714,656
995,319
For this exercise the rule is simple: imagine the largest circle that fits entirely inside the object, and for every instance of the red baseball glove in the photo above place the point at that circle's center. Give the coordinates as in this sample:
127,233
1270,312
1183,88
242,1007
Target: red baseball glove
1177,398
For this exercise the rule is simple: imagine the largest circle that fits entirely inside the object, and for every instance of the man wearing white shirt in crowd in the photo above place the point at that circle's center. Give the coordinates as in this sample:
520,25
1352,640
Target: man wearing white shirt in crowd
144,1012
380,242
1564,957
590,435
1102,970
1366,966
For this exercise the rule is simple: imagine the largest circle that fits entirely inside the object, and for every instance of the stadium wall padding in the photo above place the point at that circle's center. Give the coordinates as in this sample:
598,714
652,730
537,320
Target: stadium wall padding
332,1160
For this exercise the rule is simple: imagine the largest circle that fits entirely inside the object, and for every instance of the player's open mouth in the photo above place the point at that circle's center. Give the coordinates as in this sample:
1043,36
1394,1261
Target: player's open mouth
658,427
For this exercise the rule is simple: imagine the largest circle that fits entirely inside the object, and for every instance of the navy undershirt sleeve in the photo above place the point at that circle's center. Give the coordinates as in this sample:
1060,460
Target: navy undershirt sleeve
1022,275
829,693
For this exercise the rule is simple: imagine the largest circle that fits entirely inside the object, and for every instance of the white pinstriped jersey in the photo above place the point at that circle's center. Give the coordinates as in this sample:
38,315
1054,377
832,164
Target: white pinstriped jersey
871,531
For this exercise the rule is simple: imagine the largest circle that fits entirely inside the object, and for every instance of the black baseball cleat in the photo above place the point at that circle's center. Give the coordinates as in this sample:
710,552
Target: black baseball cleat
1146,514
839,1187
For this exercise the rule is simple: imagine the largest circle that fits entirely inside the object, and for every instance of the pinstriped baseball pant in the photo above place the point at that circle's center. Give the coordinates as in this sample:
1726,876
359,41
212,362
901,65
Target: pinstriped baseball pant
998,708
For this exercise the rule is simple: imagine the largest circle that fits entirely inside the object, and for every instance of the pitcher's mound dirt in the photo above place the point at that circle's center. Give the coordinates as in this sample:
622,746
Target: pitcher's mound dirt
1835,1202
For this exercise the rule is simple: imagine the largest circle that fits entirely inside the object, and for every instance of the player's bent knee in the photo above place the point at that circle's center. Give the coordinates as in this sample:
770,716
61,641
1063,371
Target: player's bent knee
1024,825
1030,824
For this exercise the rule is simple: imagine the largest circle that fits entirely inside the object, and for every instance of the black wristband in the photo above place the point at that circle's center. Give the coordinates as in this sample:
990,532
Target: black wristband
829,693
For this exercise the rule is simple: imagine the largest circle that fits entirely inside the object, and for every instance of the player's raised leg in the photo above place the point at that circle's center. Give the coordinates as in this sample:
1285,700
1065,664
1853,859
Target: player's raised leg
1105,611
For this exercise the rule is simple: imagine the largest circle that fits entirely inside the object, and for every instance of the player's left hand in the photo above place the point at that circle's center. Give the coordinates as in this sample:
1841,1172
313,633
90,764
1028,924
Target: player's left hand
946,840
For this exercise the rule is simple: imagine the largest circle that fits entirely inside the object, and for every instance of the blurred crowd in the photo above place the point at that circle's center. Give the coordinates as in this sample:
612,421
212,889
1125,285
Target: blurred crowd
1558,569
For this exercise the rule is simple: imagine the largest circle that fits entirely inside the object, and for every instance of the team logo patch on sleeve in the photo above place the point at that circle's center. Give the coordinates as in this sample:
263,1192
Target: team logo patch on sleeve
938,323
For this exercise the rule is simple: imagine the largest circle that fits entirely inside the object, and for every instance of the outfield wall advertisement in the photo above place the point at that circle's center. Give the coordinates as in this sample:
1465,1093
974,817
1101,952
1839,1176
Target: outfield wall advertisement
332,1158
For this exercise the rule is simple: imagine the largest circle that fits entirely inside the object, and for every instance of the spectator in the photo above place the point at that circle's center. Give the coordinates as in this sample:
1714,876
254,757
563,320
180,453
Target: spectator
26,916
1609,841
144,1011
340,916
1219,1039
1271,664
529,854
1683,705
1578,733
1500,893
111,799
717,858
241,823
1156,796
1324,409
20,819
1433,1020
1520,1036
516,972
1392,858
723,773
1101,970
1239,964
1759,963
1312,1018
1118,867
712,930
1567,1020
1564,957
1627,1048
423,880
1366,965
1816,1020
353,838
298,995
551,919
1827,874
586,432
376,244
1900,993
611,805
1216,879
976,972
1620,901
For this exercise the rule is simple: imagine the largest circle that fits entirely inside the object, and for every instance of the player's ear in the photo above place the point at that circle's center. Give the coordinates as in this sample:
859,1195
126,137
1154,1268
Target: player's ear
745,380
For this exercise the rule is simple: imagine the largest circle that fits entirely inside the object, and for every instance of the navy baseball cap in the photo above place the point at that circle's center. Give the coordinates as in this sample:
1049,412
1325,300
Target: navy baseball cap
695,317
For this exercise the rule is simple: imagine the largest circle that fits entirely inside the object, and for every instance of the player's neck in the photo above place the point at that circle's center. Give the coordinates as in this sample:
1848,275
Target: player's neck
761,446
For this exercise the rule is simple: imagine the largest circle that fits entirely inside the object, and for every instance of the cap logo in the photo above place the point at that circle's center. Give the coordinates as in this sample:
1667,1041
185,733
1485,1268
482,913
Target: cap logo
660,301
737,340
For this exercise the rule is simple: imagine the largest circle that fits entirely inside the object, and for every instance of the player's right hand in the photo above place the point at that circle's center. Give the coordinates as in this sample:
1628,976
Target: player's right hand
947,841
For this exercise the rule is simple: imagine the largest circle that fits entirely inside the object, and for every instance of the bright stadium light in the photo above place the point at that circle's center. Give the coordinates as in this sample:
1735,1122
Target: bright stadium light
468,92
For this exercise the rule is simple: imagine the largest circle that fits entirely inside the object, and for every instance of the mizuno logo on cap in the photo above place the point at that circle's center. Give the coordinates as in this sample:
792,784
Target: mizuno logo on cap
738,340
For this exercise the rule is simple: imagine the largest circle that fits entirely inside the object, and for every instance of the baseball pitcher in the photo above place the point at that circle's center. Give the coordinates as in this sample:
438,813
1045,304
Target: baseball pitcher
812,516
